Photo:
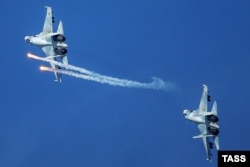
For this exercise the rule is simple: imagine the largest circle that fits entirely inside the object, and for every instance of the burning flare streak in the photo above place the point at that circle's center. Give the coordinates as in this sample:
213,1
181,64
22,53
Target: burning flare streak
43,68
85,74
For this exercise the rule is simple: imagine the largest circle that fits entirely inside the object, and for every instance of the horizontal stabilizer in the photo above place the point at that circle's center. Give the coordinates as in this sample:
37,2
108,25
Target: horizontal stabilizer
202,135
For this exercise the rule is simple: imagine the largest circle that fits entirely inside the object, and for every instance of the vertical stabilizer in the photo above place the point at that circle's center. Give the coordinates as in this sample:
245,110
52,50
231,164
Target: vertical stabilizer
60,28
204,99
216,138
65,60
47,27
216,142
214,109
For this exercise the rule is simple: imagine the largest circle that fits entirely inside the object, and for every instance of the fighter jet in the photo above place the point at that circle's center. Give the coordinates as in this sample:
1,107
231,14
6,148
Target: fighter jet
206,122
52,43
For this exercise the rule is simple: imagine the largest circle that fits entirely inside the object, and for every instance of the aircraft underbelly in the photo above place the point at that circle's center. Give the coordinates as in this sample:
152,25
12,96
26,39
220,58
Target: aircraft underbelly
197,119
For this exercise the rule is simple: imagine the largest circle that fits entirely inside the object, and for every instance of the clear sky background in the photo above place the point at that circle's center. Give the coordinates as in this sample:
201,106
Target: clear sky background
79,123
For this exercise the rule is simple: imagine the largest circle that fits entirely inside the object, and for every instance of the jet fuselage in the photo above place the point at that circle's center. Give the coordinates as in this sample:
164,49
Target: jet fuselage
193,116
38,41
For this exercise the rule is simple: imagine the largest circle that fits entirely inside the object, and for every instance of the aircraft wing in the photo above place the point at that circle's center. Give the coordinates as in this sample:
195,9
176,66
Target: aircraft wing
60,31
47,27
204,99
48,50
205,139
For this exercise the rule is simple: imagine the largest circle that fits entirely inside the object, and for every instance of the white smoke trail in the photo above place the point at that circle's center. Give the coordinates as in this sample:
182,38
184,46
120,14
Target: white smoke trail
71,67
157,83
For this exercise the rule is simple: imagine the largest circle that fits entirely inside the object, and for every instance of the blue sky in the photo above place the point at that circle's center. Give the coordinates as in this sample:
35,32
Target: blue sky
83,123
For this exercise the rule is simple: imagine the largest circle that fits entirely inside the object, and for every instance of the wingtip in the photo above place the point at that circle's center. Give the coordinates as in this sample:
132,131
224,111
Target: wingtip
59,81
209,159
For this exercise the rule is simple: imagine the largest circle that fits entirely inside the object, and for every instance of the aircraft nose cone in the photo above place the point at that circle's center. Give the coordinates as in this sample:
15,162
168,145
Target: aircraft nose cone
185,112
27,39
